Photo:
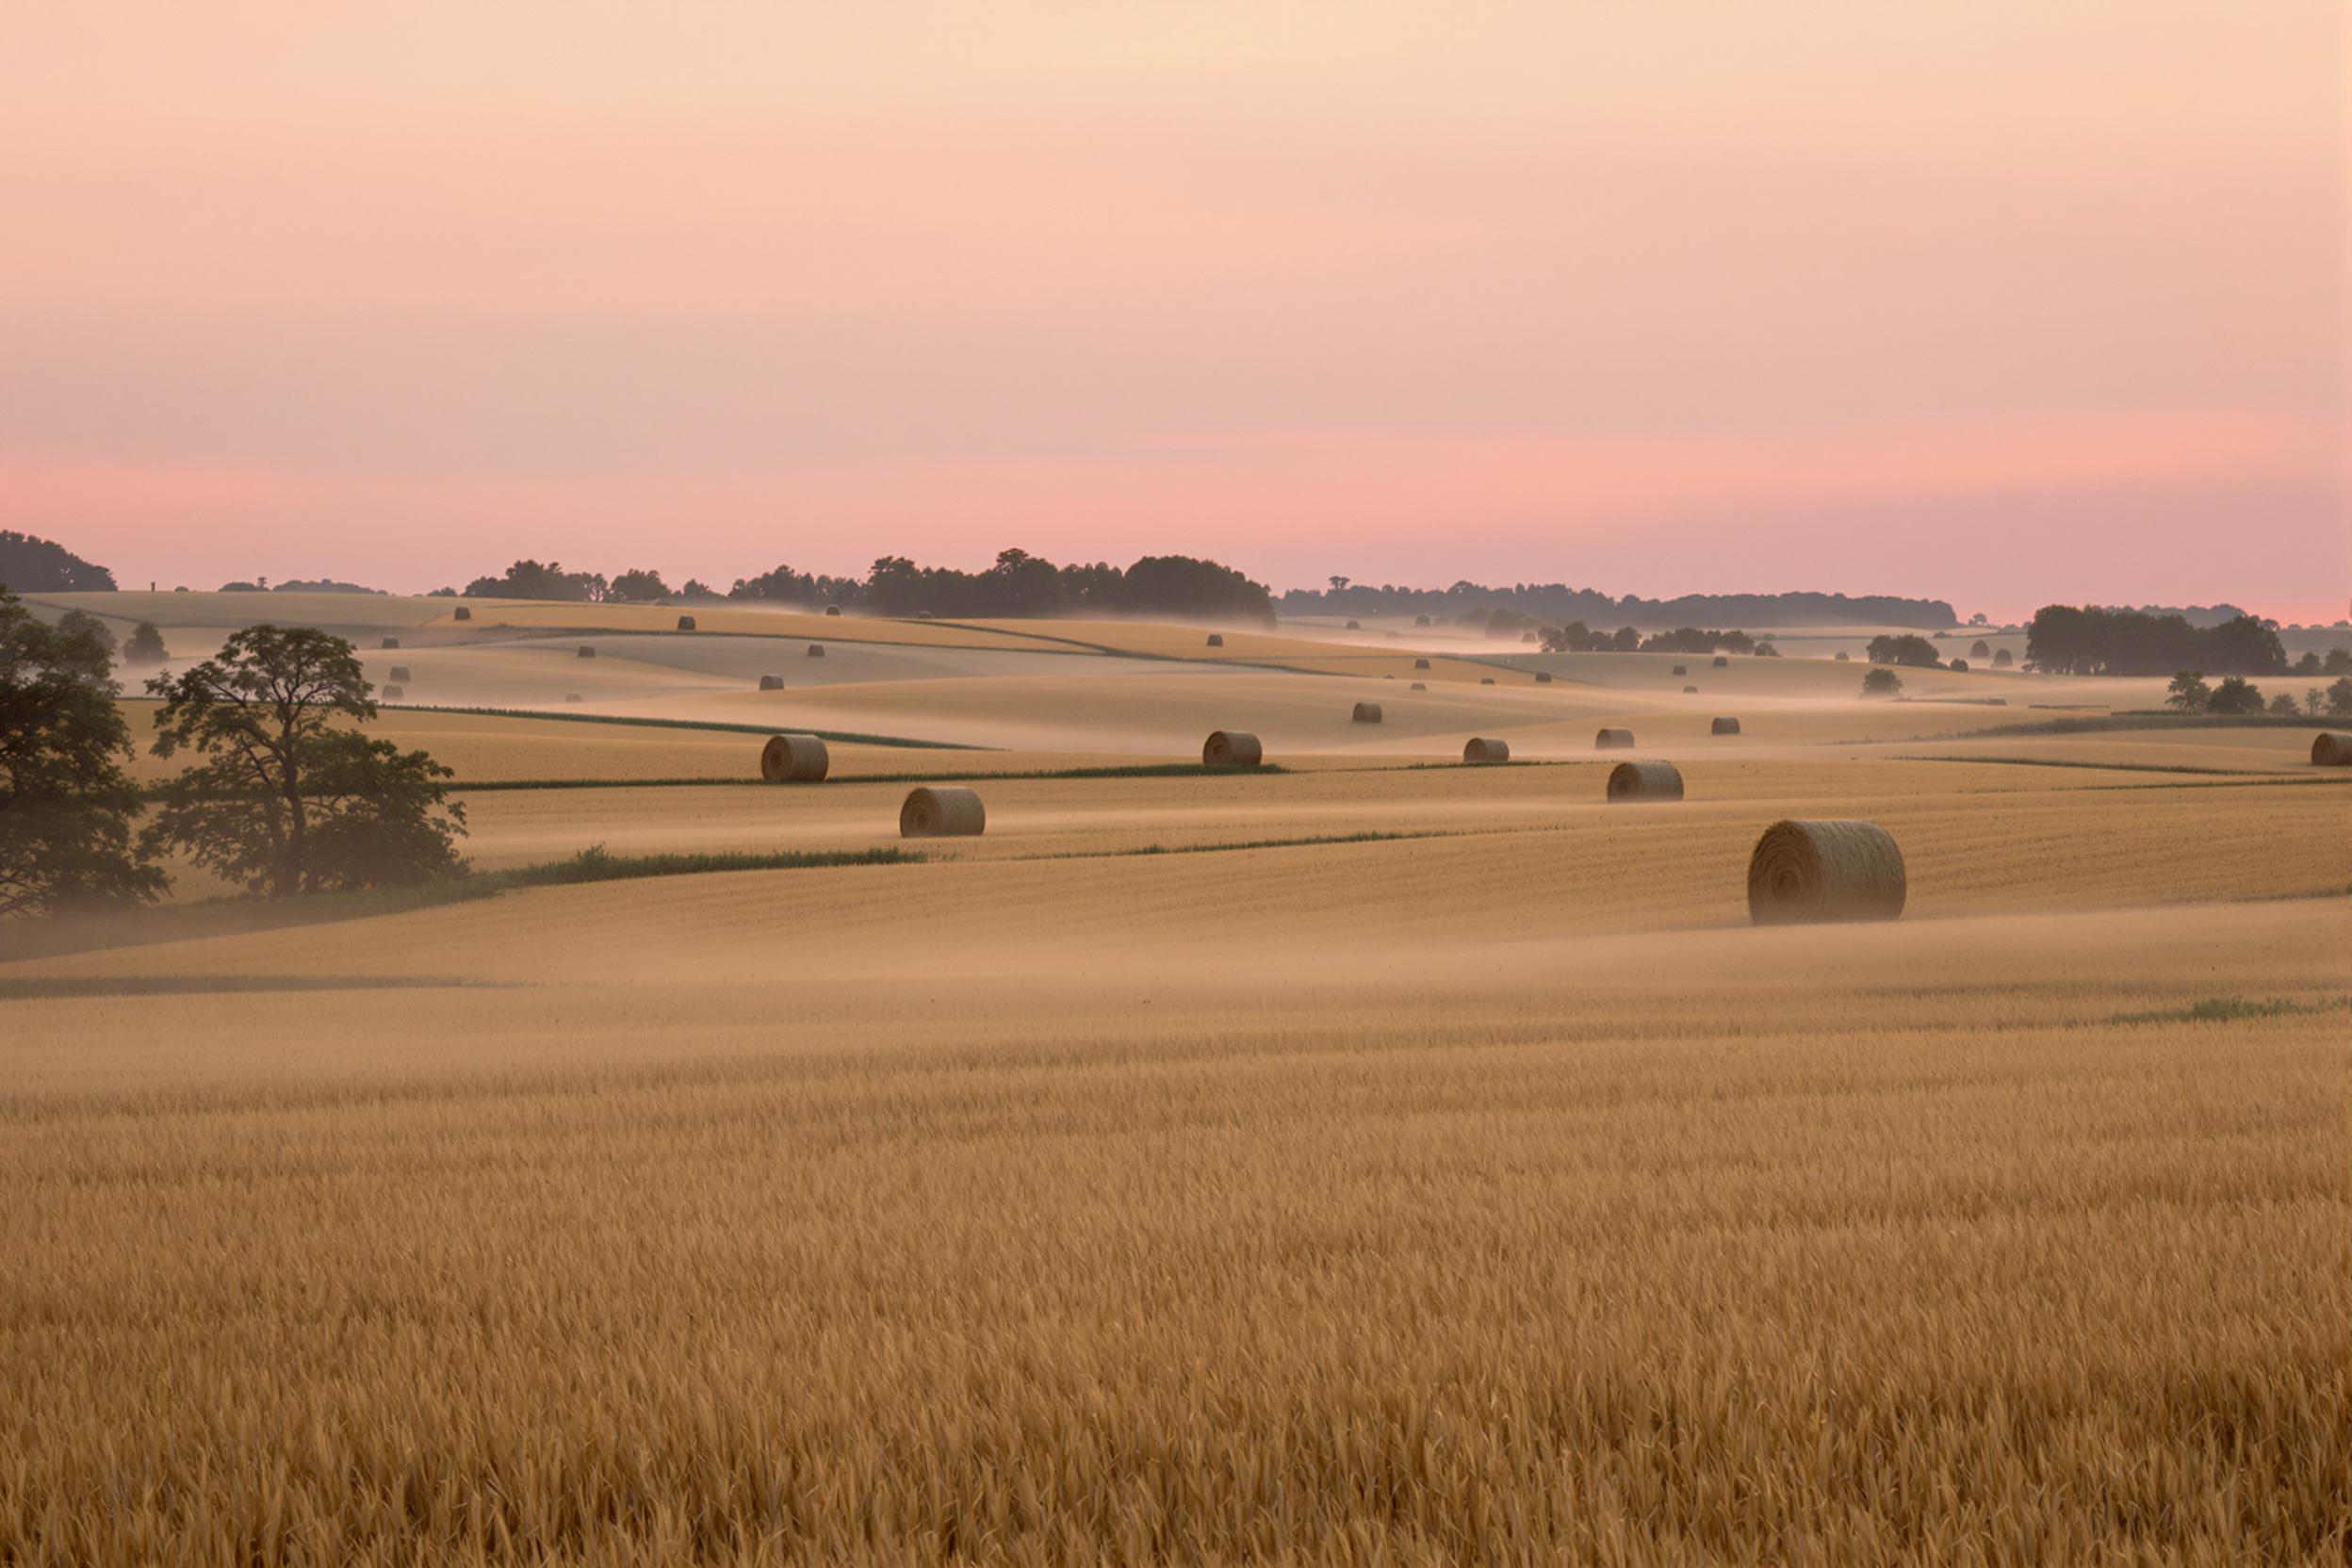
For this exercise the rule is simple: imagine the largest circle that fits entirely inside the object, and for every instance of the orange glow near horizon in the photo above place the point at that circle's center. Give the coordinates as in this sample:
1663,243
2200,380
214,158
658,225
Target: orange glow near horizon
2002,304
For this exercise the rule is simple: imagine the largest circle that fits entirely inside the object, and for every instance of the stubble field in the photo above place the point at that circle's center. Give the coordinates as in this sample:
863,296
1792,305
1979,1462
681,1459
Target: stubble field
1364,1163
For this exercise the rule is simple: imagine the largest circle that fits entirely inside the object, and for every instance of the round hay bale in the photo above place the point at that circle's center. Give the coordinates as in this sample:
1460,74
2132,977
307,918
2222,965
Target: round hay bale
816,650
795,760
1725,726
771,682
1689,691
832,609
571,696
461,614
1613,740
1682,669
1367,713
1803,872
1543,677
2332,749
1420,663
923,615
1420,620
1355,625
1232,748
586,652
1216,639
1486,681
1645,781
1721,663
1843,657
685,622
400,672
1486,749
1420,686
941,811
389,642
394,694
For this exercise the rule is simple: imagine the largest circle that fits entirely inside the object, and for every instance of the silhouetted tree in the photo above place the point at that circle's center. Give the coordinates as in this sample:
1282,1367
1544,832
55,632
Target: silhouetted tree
145,647
1880,683
637,587
65,803
2235,694
32,565
2188,692
289,800
1903,649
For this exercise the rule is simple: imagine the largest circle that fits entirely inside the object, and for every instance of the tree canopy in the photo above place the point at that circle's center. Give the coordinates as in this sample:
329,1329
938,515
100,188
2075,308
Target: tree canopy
65,803
290,799
32,565
2066,639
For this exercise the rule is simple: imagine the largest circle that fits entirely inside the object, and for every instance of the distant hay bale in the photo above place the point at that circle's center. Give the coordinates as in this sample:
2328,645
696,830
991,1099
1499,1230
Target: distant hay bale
1682,669
389,642
816,650
685,622
1232,748
461,614
1613,740
1725,726
1543,677
1355,625
941,811
1843,657
571,696
1420,663
394,694
400,672
922,615
795,760
832,609
1645,781
1420,620
1486,749
1367,713
1420,686
1216,639
1803,872
771,682
1689,691
586,652
1486,681
2332,749
1721,663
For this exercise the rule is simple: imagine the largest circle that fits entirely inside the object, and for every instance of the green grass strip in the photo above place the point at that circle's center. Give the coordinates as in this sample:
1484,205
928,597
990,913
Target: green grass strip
2225,1010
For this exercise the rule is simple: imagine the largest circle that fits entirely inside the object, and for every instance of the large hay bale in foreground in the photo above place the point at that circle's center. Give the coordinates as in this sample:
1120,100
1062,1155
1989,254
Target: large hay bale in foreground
1216,640
771,682
1486,749
816,650
1803,872
1641,781
1232,748
394,694
1367,713
2332,749
1613,740
462,614
1725,726
1721,663
400,672
685,622
941,811
795,760
586,652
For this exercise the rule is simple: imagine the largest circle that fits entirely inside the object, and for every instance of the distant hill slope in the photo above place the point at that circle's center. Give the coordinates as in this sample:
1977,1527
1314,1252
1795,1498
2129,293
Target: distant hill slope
31,565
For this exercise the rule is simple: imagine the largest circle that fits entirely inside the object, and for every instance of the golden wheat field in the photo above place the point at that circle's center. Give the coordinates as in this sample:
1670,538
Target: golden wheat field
1371,1159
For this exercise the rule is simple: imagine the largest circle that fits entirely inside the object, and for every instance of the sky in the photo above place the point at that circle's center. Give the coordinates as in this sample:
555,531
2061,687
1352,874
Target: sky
2004,303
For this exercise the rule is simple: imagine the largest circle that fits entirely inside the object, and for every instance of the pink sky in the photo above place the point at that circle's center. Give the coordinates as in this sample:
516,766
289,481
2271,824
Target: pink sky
2004,302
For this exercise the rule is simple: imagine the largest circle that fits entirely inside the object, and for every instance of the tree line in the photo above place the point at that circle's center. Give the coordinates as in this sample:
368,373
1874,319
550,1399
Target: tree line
1018,584
283,794
2087,639
1558,604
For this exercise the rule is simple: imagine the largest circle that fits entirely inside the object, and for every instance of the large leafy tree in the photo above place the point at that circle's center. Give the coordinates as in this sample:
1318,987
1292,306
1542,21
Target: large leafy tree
65,803
290,798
